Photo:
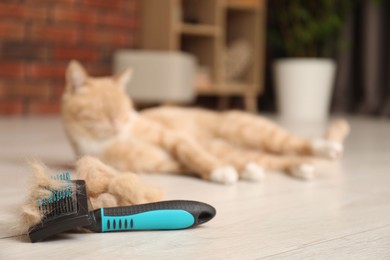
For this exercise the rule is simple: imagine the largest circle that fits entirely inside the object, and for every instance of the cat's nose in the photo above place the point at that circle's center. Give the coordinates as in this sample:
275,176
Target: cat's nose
114,124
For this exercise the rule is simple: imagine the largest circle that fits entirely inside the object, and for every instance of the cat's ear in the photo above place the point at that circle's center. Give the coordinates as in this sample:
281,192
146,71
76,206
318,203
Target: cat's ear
75,75
124,77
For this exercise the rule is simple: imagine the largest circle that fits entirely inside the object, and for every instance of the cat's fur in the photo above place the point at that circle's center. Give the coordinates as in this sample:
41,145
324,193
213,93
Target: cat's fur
223,147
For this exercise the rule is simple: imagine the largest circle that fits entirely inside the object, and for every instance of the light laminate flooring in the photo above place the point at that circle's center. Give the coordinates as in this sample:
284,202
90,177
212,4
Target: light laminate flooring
343,214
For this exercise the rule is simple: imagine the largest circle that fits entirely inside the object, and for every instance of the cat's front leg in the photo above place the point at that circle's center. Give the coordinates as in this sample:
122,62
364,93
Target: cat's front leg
187,151
199,160
137,155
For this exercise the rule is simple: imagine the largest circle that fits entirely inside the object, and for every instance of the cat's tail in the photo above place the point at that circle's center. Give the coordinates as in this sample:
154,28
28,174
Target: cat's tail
338,131
331,145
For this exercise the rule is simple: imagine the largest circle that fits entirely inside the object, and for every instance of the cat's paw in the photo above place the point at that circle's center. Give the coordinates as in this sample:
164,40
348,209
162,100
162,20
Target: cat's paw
253,172
304,171
224,175
327,149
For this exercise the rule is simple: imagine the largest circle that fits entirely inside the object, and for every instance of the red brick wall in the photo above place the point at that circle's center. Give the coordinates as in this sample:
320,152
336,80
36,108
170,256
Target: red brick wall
39,37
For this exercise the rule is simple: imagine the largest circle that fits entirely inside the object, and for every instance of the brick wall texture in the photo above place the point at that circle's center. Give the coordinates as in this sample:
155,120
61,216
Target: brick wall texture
39,37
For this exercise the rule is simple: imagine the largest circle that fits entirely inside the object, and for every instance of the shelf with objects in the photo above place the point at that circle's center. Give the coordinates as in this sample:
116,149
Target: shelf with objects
226,37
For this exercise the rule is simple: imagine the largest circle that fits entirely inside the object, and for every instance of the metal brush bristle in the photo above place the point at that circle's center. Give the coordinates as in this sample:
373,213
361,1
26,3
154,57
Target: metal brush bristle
61,201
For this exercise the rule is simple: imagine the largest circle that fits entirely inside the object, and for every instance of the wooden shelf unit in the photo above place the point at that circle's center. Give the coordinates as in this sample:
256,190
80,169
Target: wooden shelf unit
204,28
201,30
252,5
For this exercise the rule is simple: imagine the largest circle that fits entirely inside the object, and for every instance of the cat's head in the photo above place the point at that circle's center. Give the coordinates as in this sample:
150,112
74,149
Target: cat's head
95,107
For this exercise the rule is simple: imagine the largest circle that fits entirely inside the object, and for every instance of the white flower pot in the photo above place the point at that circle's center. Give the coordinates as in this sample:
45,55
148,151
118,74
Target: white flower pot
304,87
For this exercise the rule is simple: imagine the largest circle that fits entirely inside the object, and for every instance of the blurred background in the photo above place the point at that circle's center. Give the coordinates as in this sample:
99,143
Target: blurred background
299,58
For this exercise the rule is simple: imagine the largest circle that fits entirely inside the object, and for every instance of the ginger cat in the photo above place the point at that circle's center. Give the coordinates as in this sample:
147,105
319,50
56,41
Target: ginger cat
100,120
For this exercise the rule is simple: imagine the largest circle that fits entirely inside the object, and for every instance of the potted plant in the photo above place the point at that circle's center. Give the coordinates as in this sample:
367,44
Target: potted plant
304,34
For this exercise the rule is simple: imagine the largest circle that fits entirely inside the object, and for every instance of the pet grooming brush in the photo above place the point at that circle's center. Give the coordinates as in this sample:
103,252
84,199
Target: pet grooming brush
67,209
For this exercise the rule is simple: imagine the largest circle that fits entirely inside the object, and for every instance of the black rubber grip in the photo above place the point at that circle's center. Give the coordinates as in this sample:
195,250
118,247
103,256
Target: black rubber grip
194,207
200,211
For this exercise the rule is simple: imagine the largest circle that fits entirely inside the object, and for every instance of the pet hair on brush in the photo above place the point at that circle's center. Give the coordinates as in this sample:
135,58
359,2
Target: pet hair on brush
64,208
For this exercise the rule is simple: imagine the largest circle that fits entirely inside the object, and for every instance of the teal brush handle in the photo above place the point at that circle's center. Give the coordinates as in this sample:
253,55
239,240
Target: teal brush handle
165,215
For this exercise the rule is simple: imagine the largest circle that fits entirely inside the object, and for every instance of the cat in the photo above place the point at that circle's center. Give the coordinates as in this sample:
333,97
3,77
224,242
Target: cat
100,120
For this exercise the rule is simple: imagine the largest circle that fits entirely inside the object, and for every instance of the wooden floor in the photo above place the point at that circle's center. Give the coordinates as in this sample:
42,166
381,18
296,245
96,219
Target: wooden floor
343,214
